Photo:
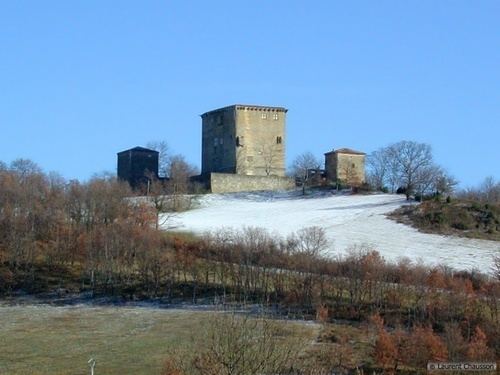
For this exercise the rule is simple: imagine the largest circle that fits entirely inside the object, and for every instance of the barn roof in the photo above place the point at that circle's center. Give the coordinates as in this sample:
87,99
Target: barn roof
138,148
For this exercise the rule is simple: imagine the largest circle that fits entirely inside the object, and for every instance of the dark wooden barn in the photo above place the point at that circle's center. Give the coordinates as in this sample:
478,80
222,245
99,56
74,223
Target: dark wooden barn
137,166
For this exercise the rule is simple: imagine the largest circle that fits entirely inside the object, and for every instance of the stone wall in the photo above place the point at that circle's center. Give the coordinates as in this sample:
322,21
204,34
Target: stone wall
233,183
351,169
262,134
218,145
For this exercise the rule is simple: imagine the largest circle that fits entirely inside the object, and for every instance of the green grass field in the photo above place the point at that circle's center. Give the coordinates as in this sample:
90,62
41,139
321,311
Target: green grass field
60,340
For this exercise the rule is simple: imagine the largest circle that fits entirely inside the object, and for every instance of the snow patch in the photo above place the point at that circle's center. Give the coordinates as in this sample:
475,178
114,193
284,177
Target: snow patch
348,220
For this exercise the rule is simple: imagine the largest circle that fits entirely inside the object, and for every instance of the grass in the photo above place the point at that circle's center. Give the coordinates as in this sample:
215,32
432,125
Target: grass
60,340
344,345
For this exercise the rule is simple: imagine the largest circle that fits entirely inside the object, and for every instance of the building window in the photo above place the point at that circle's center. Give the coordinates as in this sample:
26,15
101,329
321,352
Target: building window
216,141
263,115
221,141
275,116
278,140
237,141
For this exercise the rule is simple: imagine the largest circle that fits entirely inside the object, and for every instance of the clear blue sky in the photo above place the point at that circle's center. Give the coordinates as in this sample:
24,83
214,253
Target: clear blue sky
82,80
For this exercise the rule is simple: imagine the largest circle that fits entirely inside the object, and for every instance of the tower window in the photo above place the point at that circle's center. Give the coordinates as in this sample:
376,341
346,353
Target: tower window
263,115
275,116
237,141
278,140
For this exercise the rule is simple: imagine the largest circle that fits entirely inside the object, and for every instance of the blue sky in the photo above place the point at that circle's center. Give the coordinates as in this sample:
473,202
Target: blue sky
82,80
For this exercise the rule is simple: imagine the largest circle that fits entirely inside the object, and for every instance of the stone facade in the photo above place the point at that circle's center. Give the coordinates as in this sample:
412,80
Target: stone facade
345,166
231,183
245,140
137,166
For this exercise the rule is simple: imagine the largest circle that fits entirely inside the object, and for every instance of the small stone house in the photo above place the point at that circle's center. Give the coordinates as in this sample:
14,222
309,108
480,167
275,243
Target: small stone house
345,166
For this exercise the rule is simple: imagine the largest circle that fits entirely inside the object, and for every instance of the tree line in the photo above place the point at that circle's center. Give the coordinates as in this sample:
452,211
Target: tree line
406,167
410,167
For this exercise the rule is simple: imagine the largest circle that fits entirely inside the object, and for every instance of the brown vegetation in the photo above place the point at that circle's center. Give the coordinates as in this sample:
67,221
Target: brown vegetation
237,345
459,217
68,236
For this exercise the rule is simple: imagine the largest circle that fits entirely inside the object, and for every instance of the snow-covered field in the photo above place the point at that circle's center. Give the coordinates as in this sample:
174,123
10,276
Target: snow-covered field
348,220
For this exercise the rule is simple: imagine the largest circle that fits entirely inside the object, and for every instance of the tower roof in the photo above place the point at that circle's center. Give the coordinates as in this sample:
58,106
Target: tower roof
138,148
345,151
248,107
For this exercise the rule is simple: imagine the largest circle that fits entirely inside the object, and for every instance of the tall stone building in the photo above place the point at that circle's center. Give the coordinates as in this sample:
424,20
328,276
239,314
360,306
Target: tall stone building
137,166
245,140
345,166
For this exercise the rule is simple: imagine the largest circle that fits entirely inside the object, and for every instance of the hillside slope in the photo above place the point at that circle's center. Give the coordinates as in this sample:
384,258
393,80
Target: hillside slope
349,220
458,217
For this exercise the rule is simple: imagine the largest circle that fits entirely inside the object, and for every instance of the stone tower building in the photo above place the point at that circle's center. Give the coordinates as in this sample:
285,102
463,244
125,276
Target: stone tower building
137,166
245,140
345,166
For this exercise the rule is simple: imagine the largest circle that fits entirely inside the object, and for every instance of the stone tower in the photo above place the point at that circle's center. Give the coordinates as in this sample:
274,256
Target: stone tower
137,166
244,139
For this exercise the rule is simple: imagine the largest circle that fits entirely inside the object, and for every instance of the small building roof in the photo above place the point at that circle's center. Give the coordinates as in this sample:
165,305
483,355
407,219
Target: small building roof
345,151
138,148
249,107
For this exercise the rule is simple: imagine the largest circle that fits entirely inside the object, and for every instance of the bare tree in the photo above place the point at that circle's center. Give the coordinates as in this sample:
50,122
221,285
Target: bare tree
408,165
301,166
170,195
310,241
24,168
378,168
426,179
351,175
160,201
269,152
163,156
104,175
240,345
179,172
411,159
178,184
488,191
445,183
